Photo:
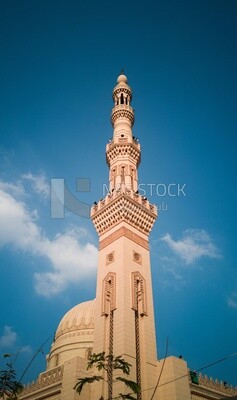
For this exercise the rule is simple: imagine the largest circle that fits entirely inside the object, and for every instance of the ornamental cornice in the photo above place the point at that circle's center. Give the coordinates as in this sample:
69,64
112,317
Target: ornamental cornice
213,385
74,327
46,379
85,332
115,150
122,89
124,206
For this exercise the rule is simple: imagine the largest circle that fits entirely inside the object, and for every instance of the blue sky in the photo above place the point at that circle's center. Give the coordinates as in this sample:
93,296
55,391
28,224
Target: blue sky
59,63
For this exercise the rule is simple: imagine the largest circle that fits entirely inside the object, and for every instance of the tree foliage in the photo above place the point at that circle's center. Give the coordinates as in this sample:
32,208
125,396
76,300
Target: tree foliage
9,386
108,362
83,381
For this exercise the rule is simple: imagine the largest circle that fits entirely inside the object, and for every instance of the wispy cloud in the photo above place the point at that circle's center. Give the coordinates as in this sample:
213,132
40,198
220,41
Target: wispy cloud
8,338
26,349
11,341
16,189
194,244
40,184
69,259
232,300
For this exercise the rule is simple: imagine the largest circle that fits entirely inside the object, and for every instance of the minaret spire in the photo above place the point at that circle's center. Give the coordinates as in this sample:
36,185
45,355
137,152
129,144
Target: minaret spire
124,321
123,153
122,117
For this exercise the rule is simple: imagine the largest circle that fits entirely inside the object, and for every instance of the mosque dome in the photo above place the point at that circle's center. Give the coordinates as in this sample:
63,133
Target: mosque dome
74,335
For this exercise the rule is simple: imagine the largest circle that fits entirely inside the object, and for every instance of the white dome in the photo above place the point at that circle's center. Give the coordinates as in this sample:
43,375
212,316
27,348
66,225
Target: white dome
79,317
74,336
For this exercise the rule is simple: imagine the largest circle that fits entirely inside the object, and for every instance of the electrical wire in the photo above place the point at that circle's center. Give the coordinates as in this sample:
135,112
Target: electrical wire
163,364
31,361
184,376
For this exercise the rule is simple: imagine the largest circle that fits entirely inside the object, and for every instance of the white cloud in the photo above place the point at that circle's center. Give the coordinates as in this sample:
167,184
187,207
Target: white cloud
15,189
170,275
72,262
39,183
9,337
18,224
232,300
26,349
194,244
69,260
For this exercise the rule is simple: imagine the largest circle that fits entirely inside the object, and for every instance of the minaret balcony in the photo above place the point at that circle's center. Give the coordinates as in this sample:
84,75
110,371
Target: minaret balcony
123,140
124,205
122,111
132,150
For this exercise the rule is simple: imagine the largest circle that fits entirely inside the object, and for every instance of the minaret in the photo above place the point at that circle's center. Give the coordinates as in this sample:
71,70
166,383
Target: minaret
124,322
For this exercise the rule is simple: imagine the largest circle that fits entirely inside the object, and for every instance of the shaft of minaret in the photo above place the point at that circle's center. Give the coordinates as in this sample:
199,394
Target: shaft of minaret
124,316
123,152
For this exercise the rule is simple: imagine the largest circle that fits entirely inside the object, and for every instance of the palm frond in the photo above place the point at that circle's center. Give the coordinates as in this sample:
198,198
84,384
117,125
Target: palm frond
96,358
120,363
83,381
131,384
127,396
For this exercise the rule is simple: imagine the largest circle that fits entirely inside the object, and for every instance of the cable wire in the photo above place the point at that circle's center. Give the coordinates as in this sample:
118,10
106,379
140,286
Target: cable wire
184,376
163,364
31,361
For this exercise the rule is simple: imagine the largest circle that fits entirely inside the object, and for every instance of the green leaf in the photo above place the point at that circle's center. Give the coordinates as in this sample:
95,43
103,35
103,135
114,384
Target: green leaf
98,359
83,381
127,396
120,363
131,384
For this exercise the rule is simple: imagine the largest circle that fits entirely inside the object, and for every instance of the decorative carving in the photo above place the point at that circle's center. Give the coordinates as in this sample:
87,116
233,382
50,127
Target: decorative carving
109,293
122,111
138,305
127,207
123,140
123,149
138,356
48,378
77,333
110,258
108,307
80,326
123,169
139,302
118,89
113,173
111,345
137,257
212,384
128,234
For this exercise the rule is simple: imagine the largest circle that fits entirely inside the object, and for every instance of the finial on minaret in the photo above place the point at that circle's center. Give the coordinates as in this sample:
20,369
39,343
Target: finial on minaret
122,78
